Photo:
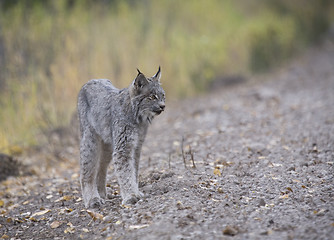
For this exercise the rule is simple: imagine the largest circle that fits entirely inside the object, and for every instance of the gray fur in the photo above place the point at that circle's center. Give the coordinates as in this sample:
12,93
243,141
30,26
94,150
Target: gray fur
113,125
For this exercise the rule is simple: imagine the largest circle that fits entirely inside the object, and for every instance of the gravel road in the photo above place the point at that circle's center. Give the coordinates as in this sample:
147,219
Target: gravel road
251,161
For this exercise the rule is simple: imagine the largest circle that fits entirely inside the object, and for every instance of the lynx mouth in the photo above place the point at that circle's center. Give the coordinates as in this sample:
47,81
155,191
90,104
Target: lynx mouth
157,112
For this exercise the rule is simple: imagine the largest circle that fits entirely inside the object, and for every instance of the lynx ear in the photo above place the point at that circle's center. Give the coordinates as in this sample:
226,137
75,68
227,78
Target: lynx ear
140,81
157,76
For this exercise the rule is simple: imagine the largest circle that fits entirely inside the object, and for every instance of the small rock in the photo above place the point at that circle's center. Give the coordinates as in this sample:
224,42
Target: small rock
258,148
179,205
167,175
261,203
231,231
155,176
268,232
107,219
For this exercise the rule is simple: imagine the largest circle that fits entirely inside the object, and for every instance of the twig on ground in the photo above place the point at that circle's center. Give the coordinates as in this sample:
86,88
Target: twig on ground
192,157
182,151
149,162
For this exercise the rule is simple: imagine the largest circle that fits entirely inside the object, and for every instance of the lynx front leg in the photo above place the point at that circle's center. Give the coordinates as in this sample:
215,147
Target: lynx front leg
89,163
137,158
126,174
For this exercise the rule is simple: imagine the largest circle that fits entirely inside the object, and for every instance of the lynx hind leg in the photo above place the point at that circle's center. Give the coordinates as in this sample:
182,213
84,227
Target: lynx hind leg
105,158
88,169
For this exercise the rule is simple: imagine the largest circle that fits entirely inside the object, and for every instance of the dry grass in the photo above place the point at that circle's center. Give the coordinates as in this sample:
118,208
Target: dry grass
50,51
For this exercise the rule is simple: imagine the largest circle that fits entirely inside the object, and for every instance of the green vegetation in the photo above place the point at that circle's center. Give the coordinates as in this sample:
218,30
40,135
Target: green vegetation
49,49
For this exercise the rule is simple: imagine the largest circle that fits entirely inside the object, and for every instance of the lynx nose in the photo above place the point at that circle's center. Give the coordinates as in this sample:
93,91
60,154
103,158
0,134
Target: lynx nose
162,106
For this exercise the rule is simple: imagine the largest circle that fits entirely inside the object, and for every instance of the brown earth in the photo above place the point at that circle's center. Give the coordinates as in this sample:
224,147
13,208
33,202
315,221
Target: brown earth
252,161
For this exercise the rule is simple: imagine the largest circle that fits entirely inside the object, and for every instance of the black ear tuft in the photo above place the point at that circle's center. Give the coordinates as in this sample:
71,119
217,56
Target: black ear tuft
157,75
139,72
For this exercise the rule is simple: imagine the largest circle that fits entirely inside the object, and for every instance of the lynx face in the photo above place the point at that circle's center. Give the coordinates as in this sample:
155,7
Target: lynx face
149,96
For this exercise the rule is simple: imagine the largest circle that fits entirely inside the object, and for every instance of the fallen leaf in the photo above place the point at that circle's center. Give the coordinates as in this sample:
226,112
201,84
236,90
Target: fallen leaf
26,214
55,224
19,220
33,219
69,230
41,213
95,215
285,196
65,198
2,203
68,210
118,222
289,188
321,212
134,227
215,200
4,236
126,206
217,172
85,230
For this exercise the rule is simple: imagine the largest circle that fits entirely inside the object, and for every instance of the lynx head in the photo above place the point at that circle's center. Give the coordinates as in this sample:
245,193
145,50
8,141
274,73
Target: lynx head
147,96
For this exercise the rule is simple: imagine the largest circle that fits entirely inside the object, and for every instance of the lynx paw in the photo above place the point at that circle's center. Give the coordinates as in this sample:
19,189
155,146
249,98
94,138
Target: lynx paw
96,202
131,199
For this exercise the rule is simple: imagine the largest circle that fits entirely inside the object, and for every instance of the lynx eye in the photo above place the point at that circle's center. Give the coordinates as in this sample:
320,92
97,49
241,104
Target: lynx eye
153,97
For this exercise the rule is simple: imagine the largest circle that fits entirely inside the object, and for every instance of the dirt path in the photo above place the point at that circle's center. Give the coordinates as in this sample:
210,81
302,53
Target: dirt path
257,163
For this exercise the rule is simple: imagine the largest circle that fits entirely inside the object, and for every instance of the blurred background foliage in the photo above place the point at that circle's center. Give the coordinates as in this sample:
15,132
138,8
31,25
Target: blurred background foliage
50,48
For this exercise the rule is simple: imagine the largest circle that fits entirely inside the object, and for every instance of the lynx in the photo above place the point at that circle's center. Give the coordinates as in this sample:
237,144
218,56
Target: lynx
113,126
